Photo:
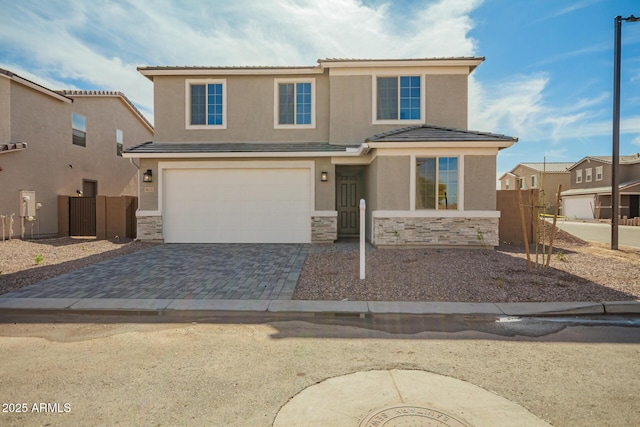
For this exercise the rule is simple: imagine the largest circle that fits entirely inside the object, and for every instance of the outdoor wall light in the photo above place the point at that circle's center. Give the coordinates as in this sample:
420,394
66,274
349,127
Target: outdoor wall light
147,176
324,176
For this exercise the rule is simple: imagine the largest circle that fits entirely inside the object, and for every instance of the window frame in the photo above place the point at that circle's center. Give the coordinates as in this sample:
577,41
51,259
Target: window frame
119,142
578,176
507,181
588,175
459,182
600,173
276,103
74,129
374,100
534,181
187,96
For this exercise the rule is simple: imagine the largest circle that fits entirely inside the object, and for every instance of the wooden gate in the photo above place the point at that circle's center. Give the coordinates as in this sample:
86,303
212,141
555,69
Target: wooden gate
82,216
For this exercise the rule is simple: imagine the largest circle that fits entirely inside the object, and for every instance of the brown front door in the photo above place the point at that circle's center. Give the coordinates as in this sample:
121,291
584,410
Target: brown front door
348,195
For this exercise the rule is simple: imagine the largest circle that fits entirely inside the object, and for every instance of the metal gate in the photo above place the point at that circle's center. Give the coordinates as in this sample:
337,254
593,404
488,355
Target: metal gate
82,216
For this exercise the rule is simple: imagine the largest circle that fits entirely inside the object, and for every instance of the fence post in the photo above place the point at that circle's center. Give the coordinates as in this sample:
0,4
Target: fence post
363,207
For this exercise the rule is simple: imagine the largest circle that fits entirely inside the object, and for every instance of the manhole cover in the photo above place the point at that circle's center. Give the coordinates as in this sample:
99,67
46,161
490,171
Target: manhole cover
410,415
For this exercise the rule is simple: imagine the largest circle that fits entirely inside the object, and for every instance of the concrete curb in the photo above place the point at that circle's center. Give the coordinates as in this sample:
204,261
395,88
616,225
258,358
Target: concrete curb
298,307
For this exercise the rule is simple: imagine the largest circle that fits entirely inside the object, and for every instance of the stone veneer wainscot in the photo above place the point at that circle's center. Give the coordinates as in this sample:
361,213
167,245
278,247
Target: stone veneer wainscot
478,232
324,229
150,228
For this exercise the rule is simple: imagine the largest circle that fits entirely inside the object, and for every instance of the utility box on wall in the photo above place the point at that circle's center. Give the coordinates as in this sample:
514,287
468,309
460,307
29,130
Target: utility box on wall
27,203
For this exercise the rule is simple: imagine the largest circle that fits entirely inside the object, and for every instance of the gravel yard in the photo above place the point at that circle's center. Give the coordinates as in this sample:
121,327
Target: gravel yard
578,271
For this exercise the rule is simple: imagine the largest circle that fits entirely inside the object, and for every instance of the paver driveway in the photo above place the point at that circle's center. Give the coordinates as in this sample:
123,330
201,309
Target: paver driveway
198,271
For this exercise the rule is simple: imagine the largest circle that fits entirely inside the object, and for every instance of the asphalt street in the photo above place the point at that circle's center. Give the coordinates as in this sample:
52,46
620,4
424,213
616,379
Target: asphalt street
597,232
110,371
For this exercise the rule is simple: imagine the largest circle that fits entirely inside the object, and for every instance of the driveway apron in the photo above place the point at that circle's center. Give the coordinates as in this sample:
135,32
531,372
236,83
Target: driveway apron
183,271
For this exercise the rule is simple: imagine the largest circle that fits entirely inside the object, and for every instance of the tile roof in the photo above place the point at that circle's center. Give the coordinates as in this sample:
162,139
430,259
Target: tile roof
108,93
442,58
548,167
631,159
428,133
151,147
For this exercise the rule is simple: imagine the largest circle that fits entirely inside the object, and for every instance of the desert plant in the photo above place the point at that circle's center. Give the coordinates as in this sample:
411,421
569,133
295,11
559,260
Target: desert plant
561,256
38,259
480,238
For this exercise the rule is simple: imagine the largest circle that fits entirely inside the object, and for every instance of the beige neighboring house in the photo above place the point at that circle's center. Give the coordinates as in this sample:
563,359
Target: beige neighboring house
589,196
62,143
284,155
544,176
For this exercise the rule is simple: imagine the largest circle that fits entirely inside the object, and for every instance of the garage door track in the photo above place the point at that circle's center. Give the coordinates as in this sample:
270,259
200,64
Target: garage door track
184,271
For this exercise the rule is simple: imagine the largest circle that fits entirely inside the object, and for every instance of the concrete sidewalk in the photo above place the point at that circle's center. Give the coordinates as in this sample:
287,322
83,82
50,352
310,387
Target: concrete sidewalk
298,308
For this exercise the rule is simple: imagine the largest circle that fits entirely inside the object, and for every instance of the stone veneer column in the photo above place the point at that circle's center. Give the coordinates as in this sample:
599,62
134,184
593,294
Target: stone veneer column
150,228
471,231
324,229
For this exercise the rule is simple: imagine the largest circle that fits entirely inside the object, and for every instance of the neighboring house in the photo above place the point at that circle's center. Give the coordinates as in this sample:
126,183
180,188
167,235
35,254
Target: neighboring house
544,176
63,143
589,196
284,154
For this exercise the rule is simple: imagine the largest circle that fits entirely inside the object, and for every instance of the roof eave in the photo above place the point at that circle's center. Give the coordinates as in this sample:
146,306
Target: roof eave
449,144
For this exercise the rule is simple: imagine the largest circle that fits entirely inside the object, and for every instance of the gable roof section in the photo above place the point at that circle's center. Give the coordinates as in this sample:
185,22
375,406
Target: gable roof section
33,85
548,167
108,94
242,149
624,160
420,134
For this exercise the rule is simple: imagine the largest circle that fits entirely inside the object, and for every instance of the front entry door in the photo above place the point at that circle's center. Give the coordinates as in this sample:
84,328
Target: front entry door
347,195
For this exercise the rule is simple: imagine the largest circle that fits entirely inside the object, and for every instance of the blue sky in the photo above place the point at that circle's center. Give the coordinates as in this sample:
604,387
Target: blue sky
547,78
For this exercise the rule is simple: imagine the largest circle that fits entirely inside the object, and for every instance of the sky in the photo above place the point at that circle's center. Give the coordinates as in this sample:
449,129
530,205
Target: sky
547,78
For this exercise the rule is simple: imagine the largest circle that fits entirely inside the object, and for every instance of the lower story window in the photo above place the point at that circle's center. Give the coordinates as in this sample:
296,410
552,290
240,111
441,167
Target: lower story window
437,183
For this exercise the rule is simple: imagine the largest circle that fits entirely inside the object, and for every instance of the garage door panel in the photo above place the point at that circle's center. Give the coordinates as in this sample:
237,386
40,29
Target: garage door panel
580,207
237,205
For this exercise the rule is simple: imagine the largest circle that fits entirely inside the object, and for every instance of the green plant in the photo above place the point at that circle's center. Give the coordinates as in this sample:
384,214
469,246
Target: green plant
480,238
561,256
38,259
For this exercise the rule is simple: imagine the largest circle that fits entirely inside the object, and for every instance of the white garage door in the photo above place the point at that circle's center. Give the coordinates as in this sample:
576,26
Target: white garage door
580,207
236,205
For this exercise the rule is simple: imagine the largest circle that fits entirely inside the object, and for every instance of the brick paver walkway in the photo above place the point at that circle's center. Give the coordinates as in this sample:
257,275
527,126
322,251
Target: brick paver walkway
198,271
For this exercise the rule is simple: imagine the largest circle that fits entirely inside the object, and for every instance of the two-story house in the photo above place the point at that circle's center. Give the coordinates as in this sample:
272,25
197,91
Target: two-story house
284,154
590,193
62,143
545,176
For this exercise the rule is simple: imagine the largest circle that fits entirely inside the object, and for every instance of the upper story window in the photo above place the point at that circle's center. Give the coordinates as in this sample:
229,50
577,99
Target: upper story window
437,183
587,175
507,182
522,186
206,104
294,103
534,181
79,129
119,137
578,176
398,99
599,174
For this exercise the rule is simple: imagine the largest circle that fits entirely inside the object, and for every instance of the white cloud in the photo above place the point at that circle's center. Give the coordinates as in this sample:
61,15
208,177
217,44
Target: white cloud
636,140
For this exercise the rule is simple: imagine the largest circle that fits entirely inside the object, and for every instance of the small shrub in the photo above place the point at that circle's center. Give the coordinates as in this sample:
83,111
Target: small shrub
38,259
561,256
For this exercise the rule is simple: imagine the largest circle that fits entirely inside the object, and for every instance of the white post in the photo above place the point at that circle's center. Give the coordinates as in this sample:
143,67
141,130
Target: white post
363,207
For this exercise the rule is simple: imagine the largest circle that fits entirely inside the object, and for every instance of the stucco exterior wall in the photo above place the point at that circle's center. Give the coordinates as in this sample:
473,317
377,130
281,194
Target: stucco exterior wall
447,100
51,165
479,187
250,111
393,177
5,110
352,109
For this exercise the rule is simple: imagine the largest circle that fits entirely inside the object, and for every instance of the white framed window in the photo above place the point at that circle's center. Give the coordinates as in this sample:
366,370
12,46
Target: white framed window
79,129
534,181
599,173
398,99
206,104
437,183
578,176
294,104
506,183
522,186
119,138
587,175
